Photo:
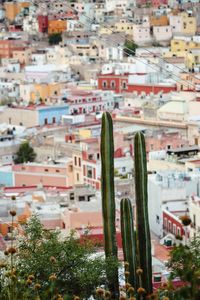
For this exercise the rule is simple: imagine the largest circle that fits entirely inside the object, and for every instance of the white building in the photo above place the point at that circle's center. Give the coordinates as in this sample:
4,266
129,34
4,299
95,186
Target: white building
170,191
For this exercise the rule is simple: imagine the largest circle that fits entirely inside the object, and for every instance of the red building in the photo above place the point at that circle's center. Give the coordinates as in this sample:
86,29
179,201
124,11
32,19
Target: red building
112,82
119,84
43,23
172,223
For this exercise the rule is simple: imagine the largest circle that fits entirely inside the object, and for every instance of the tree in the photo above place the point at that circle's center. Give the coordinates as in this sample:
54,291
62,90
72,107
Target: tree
55,38
25,154
129,48
185,263
42,253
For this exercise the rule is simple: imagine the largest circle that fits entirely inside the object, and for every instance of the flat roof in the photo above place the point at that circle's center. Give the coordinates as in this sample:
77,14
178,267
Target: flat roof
183,149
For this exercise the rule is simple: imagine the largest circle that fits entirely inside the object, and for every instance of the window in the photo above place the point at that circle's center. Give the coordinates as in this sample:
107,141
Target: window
75,160
79,162
46,170
77,176
124,84
112,84
178,231
53,120
174,229
123,169
104,84
89,173
169,225
45,121
157,219
57,171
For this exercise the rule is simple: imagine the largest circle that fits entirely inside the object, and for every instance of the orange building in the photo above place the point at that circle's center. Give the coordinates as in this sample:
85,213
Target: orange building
7,47
12,9
57,26
159,21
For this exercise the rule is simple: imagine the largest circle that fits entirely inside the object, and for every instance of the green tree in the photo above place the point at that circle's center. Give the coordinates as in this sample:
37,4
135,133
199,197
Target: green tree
42,253
55,38
129,48
25,153
185,263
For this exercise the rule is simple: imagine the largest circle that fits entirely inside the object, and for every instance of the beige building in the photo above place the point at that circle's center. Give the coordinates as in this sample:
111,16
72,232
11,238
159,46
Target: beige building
19,116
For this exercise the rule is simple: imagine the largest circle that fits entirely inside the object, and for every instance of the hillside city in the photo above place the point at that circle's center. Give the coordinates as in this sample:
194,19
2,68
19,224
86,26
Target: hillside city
62,65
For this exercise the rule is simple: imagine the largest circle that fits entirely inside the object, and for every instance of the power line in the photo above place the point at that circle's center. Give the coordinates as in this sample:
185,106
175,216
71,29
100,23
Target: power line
180,81
91,22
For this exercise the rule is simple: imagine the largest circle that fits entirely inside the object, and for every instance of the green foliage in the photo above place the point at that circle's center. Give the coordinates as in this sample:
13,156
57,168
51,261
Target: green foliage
108,197
185,263
55,38
129,48
42,253
25,154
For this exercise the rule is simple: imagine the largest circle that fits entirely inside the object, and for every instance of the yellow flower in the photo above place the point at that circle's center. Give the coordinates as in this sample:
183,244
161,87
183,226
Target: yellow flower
127,285
31,277
107,294
28,282
131,290
126,273
139,271
52,277
37,286
52,259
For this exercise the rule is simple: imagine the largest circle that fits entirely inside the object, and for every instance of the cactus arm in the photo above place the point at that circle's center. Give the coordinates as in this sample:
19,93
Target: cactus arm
128,239
108,195
143,230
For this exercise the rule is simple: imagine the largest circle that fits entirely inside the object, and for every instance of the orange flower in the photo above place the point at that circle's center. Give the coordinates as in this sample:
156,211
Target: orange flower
13,213
12,250
141,290
100,292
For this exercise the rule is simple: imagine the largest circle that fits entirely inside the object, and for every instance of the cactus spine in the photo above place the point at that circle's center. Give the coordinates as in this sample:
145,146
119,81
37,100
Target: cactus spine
142,220
128,239
108,197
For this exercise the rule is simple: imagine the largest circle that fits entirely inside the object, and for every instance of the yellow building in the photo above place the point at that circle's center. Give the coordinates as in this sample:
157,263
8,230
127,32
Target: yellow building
12,9
187,49
189,24
57,26
106,30
123,26
45,91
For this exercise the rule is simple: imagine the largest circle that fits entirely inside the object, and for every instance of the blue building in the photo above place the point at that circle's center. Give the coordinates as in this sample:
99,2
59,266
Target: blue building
6,176
51,114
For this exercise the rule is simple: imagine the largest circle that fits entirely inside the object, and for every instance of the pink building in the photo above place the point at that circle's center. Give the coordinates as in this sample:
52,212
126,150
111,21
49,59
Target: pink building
165,141
46,174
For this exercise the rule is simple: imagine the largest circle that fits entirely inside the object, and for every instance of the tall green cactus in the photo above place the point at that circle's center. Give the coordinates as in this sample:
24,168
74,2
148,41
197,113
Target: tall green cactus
108,198
142,220
129,239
